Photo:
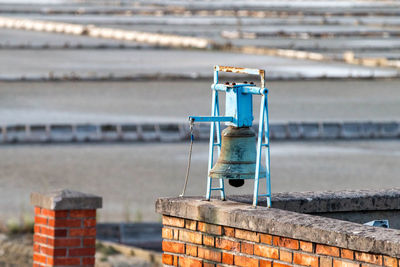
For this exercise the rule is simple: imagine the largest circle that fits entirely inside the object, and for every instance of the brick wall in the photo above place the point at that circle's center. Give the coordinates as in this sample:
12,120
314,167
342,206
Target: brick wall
65,228
64,237
194,243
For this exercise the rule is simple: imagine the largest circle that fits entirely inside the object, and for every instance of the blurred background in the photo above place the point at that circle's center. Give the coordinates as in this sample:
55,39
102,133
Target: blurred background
86,86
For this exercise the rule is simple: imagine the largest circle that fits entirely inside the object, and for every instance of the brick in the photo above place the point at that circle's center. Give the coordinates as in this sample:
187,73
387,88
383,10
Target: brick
209,254
167,233
176,234
286,242
54,252
37,229
209,228
64,223
265,263
207,264
306,246
176,259
229,231
39,239
305,260
286,256
189,262
208,240
245,261
227,244
327,250
227,258
325,262
173,221
38,211
40,220
39,258
266,239
174,247
339,263
89,222
190,224
278,264
191,250
167,259
265,251
89,260
247,235
64,261
81,251
82,213
89,242
367,257
247,248
190,237
53,232
36,248
347,254
389,261
82,232
55,213
64,242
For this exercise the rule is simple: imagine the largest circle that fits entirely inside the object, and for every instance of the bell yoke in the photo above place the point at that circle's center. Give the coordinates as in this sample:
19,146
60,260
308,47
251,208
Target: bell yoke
239,151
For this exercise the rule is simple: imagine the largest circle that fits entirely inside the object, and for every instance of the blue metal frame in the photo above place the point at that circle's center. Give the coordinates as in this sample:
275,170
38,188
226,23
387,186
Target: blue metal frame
239,120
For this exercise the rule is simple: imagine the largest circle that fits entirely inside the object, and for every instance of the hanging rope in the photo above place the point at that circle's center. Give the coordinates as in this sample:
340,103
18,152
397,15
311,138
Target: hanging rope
191,122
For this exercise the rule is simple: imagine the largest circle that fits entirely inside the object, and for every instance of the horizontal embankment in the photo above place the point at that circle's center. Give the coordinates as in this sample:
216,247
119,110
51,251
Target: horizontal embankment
177,132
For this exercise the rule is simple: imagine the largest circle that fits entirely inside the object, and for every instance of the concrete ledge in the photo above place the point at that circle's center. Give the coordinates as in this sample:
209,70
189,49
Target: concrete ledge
285,223
66,200
332,201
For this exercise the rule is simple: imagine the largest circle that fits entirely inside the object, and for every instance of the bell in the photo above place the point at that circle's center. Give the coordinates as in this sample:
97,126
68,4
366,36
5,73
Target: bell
237,161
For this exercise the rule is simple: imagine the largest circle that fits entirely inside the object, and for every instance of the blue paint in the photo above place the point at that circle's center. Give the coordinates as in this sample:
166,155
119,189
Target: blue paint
239,113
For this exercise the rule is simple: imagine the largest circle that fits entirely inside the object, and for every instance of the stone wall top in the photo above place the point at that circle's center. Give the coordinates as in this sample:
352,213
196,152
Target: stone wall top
331,201
66,200
287,223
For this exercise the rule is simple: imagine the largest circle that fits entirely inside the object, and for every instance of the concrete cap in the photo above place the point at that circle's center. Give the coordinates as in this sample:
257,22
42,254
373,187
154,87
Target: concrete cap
65,199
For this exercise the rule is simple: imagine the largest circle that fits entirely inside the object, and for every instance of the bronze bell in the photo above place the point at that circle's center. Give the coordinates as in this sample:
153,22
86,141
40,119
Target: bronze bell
237,161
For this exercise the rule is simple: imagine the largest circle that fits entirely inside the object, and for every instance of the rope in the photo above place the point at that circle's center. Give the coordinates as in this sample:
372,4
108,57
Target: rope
189,158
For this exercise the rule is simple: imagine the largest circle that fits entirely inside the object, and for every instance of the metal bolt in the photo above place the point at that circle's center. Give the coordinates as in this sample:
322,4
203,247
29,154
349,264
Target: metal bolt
233,83
226,83
245,82
251,82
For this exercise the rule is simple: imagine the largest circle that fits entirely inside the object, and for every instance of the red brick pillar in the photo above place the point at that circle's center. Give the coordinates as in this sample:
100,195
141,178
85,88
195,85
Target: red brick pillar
65,228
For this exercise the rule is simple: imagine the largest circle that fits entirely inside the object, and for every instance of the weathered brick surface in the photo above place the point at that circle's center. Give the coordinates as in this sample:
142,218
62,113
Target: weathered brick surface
285,255
340,263
64,237
247,235
209,228
327,250
266,251
208,254
245,261
306,246
203,244
286,242
390,261
172,221
227,244
347,254
367,257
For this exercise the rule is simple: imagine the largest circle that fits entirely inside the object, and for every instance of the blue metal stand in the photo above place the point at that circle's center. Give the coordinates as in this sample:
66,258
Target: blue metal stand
239,106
